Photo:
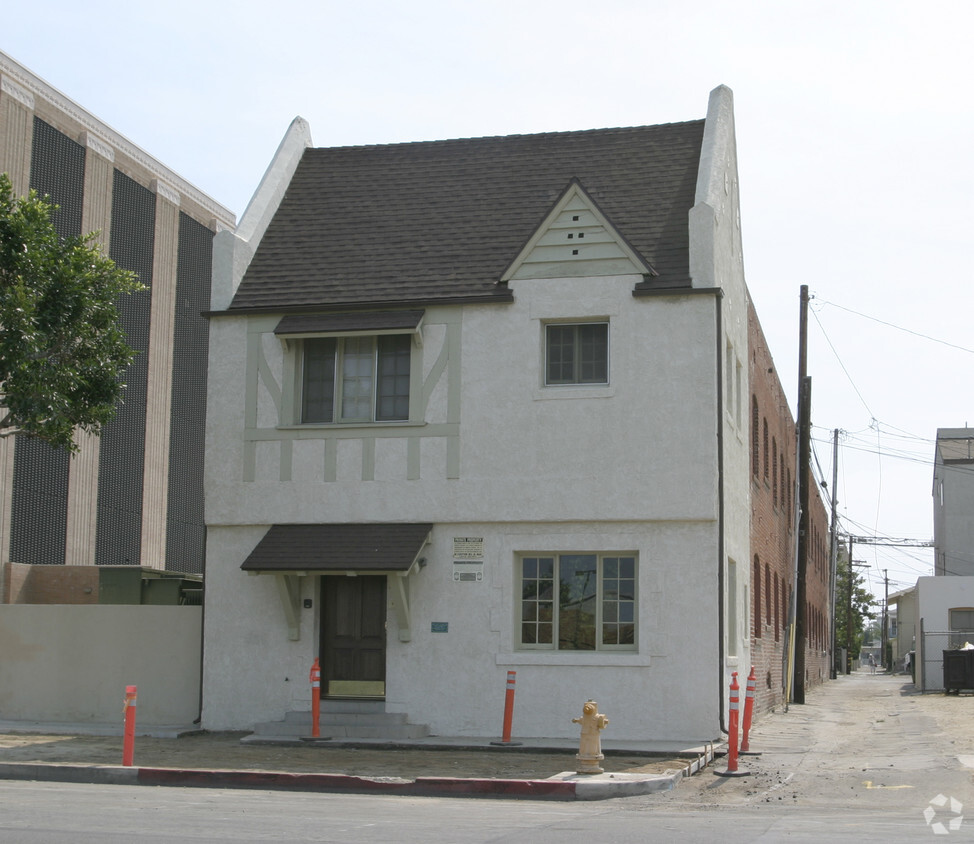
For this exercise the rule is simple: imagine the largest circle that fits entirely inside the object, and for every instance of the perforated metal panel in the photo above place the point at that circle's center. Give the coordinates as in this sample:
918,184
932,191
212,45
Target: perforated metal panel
120,473
39,508
185,533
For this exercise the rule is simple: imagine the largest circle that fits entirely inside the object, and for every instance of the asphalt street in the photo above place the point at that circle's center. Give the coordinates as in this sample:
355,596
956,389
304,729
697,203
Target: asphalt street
866,758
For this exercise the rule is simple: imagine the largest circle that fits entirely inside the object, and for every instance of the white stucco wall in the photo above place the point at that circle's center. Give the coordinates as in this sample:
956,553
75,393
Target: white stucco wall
717,261
454,681
632,466
953,509
935,597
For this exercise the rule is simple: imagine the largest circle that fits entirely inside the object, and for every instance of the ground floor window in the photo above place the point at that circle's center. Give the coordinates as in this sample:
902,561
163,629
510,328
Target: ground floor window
577,602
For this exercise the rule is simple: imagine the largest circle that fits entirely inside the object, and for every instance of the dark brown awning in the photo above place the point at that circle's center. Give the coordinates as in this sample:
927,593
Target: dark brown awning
341,547
376,321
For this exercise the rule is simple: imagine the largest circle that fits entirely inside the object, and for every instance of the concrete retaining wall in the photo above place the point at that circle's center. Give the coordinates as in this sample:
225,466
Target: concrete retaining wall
71,663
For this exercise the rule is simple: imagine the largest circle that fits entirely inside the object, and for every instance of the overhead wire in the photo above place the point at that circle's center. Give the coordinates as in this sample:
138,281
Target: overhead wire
897,327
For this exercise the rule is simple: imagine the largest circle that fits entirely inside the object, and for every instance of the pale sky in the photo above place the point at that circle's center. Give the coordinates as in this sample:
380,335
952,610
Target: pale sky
855,136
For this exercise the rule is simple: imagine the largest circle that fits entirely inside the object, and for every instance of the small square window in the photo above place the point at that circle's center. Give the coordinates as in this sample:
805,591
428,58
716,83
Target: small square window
576,353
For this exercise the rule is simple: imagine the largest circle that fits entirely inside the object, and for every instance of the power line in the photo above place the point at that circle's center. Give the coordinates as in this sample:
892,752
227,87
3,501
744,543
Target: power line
841,364
897,327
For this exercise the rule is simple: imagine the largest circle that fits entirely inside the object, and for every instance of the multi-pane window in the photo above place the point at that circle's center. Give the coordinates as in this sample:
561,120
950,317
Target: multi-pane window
578,602
577,353
356,379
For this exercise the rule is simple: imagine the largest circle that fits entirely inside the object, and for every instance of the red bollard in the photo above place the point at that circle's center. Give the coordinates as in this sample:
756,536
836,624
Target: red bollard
508,711
315,699
748,711
732,725
128,744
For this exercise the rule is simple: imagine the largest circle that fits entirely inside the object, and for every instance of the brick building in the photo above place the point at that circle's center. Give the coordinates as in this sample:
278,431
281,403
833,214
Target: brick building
773,538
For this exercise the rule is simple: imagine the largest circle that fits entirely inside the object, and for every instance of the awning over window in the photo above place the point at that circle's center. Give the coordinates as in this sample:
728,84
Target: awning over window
374,322
366,548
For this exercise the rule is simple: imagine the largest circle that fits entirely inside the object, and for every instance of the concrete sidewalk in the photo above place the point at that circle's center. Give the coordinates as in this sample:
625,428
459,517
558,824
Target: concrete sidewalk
667,763
782,738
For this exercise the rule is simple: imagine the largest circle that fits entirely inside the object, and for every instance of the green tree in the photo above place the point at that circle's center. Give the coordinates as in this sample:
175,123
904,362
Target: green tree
857,611
62,349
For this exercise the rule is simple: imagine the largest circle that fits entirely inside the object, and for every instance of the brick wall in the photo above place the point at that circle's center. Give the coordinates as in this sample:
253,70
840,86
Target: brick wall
773,512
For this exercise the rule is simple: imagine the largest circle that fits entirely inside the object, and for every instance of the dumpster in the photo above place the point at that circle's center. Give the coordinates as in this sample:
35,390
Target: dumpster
958,670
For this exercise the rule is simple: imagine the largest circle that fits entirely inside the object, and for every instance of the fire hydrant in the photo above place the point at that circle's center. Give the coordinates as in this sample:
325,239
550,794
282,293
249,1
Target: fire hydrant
590,746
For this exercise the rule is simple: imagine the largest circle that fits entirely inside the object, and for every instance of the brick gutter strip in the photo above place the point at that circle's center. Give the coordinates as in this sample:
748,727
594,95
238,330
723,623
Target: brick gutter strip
421,786
189,777
599,787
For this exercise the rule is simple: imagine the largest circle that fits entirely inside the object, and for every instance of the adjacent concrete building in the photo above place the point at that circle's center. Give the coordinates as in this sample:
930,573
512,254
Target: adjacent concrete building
134,495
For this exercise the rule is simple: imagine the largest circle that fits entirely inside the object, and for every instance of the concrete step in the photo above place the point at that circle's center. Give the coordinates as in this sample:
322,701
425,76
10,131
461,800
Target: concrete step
370,725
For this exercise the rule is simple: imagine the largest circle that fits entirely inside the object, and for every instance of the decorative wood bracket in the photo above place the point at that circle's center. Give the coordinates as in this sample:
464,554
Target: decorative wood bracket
289,587
401,604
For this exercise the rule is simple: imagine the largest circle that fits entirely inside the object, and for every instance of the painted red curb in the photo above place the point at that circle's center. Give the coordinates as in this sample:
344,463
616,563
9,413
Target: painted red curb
426,786
560,789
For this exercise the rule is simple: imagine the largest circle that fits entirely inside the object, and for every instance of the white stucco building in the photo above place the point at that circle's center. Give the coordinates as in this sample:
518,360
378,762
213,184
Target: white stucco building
938,613
480,406
953,502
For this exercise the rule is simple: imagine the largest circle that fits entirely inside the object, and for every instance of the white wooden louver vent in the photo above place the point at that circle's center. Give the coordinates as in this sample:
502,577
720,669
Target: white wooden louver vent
575,240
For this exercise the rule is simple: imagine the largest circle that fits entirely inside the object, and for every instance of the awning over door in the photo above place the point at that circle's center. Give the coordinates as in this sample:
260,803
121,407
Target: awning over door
292,551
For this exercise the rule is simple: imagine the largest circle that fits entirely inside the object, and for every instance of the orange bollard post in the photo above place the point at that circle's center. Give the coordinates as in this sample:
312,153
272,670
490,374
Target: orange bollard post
128,743
748,711
732,725
508,712
315,699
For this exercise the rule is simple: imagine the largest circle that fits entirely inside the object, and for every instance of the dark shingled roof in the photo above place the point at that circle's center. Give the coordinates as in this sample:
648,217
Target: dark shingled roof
339,547
441,221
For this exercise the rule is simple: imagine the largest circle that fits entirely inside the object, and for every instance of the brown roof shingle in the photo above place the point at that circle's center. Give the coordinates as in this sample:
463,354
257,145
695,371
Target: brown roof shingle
338,547
440,221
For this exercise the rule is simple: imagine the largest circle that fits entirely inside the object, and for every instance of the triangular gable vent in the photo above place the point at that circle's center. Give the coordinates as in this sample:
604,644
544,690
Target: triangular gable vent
576,240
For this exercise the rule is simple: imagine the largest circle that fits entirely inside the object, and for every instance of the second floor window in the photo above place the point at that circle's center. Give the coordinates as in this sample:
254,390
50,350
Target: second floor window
577,353
356,379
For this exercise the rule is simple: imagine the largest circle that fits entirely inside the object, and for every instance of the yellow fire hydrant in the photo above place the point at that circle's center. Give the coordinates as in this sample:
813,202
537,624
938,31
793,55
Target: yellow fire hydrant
590,746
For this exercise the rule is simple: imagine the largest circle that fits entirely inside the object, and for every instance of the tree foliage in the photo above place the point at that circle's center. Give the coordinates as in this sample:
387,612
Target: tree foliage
858,611
62,349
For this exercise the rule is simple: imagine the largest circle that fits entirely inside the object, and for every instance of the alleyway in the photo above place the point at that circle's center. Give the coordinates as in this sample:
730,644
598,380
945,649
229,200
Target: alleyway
867,747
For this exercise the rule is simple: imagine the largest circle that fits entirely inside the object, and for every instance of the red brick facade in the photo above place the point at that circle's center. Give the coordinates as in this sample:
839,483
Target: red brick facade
773,539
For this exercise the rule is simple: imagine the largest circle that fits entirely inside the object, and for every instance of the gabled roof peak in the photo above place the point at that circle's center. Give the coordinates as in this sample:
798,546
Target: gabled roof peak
576,239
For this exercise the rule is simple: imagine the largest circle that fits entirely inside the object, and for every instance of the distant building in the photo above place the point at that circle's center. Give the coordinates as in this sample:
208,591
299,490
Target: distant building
937,614
953,502
134,495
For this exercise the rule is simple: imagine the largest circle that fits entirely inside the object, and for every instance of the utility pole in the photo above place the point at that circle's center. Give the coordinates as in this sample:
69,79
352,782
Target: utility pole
848,617
833,553
804,459
885,634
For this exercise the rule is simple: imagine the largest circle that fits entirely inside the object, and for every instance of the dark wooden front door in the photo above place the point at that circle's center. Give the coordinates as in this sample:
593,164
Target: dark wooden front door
353,636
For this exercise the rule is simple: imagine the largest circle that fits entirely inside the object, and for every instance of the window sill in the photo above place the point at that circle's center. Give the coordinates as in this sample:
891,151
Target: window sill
331,426
622,659
575,391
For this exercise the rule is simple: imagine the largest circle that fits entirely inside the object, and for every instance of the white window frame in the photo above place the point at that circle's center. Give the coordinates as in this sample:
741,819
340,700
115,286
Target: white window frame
340,339
577,323
600,600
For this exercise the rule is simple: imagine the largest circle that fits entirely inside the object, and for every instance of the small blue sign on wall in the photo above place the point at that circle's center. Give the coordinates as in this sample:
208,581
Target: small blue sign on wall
439,626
